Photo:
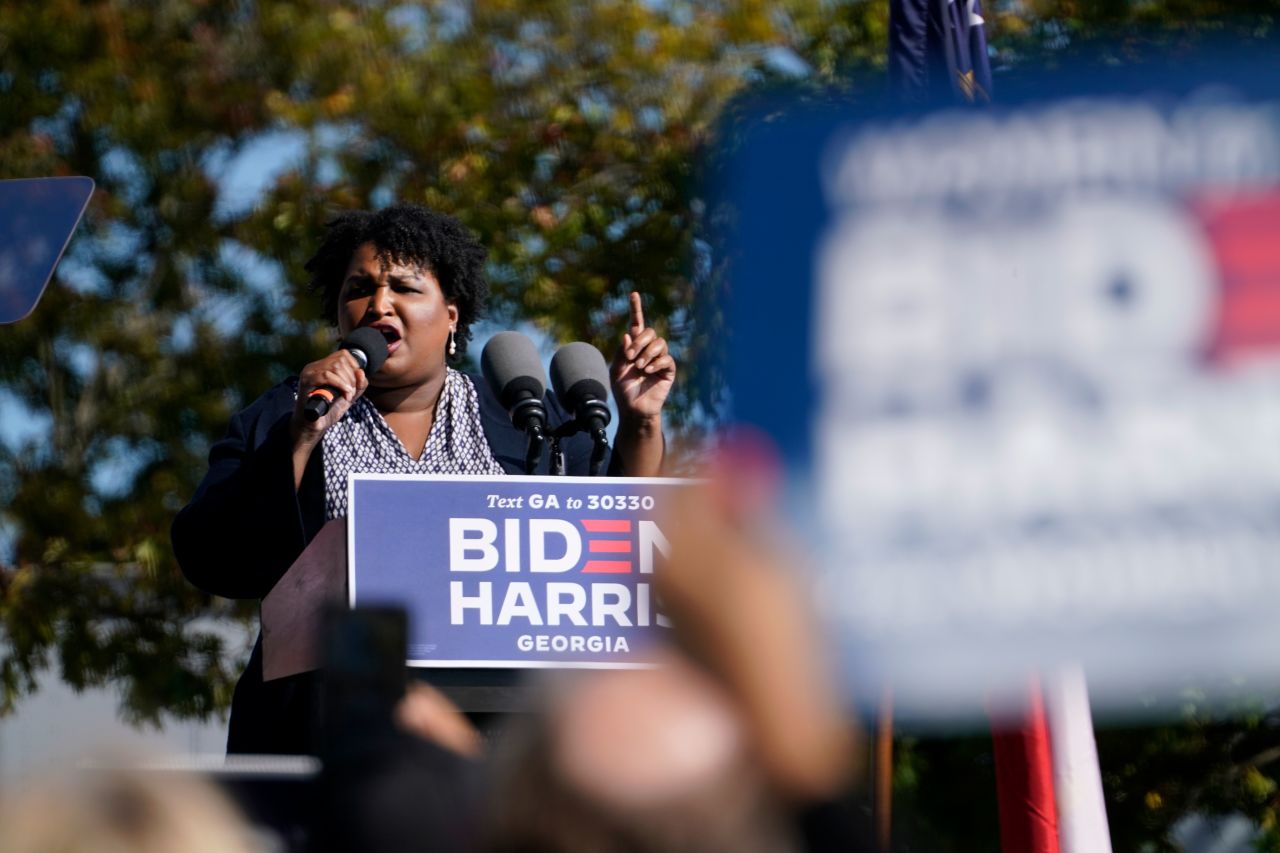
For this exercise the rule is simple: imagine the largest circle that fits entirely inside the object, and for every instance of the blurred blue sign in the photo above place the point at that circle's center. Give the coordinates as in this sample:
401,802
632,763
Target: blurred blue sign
519,572
1024,366
37,218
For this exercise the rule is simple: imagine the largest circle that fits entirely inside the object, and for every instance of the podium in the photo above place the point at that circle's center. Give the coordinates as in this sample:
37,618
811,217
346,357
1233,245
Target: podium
498,575
293,617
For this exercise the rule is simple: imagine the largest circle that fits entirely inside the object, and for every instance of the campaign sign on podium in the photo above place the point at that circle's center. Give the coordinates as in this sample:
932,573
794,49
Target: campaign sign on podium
512,572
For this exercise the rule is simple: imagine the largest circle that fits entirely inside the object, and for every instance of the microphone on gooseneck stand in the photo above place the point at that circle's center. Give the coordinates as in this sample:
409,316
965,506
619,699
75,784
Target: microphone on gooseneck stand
513,371
580,378
369,348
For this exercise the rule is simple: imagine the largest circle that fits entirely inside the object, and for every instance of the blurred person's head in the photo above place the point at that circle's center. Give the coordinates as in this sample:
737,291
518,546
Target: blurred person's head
402,797
121,811
638,761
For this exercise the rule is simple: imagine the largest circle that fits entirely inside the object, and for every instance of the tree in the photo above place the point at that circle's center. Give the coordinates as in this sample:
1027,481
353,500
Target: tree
118,360
564,133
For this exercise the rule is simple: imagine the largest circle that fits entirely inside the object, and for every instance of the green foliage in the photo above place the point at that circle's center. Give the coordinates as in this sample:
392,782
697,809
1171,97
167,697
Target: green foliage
1211,763
564,133
1061,33
118,359
958,815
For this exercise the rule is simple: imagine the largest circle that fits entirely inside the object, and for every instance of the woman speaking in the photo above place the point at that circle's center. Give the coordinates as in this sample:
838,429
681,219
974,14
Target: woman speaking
416,277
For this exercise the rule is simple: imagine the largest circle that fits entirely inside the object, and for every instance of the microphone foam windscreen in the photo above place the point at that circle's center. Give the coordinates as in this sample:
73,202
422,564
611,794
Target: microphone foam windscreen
371,343
579,374
512,368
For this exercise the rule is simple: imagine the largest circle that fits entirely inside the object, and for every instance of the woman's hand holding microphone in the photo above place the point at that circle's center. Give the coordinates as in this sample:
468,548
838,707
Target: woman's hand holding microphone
328,387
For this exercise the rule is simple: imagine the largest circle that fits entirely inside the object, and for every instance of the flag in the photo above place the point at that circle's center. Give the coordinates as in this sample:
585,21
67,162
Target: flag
1024,779
938,50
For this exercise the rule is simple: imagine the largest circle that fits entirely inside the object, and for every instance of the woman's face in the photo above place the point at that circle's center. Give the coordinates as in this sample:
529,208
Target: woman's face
406,304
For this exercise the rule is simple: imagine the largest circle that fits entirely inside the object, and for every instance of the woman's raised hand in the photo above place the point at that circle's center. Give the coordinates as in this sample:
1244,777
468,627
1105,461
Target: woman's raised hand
643,370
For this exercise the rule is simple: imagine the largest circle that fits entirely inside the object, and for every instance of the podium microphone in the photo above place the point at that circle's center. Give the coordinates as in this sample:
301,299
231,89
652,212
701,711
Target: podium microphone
369,348
513,370
580,378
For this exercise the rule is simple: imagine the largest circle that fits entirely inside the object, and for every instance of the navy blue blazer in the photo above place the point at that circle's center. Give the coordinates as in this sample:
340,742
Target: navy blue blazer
246,525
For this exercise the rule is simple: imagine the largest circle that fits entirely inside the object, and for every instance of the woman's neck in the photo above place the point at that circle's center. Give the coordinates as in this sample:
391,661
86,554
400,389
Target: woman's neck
408,399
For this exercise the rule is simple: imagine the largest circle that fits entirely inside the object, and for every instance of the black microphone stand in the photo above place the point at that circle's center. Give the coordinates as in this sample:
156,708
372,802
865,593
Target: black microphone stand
594,415
557,455
533,450
599,449
531,412
565,430
592,419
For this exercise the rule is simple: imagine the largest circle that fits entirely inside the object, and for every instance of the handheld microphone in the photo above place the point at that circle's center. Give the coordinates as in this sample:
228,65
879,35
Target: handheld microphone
580,378
369,348
513,370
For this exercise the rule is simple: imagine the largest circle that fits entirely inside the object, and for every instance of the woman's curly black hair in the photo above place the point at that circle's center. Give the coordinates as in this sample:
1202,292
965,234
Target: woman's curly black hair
405,234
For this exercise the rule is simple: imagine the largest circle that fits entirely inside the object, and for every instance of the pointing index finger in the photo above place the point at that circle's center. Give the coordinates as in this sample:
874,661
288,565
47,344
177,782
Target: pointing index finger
637,314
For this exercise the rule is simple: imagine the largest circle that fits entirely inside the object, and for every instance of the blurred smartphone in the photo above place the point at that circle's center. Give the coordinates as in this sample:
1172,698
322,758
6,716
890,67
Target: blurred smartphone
364,675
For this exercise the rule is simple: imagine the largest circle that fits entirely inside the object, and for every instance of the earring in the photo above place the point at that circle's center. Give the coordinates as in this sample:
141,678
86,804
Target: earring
453,347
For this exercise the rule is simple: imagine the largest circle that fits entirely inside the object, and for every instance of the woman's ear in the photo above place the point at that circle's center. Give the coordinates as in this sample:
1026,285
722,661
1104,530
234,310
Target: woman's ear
453,314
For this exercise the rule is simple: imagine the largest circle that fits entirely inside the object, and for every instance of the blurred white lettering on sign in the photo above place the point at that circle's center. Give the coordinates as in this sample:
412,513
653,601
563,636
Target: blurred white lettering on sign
1048,345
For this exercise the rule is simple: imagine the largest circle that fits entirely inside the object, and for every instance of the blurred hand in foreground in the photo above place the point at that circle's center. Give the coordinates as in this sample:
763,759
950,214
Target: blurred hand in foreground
429,714
735,597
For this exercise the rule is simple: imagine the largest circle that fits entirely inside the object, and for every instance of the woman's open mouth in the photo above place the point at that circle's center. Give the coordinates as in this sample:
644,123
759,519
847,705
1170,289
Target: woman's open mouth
392,336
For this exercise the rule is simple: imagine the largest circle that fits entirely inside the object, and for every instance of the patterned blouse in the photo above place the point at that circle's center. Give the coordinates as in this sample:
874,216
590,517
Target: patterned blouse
363,443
